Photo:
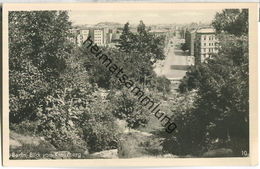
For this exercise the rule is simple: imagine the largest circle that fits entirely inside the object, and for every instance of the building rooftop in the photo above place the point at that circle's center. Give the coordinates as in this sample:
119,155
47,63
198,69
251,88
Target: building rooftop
193,31
206,30
157,30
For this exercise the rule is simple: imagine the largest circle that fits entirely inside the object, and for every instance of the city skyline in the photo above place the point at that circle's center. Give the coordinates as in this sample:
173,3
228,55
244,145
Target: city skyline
148,17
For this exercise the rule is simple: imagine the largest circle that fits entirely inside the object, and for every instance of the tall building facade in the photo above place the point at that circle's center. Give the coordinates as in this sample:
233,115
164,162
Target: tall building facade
73,36
98,37
84,33
205,44
192,42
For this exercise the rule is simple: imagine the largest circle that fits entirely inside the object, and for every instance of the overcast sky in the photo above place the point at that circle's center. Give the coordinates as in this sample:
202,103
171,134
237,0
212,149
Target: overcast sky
149,17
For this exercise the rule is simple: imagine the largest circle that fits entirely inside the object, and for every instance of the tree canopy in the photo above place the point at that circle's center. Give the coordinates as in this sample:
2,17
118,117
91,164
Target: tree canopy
233,21
38,49
221,108
144,42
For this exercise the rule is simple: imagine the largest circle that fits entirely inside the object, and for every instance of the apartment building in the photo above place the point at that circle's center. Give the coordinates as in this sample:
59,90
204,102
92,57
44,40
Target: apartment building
73,36
159,32
106,35
98,37
84,33
205,44
192,42
78,36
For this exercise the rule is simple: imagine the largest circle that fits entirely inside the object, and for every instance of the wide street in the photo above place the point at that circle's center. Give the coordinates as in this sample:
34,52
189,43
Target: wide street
176,62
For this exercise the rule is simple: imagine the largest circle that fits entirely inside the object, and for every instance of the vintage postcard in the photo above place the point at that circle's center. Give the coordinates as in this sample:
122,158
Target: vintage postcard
130,84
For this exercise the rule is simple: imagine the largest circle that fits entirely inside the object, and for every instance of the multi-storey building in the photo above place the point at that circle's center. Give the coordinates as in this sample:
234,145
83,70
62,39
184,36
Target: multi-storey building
84,34
192,42
79,39
159,32
78,36
113,36
98,37
205,44
73,36
106,35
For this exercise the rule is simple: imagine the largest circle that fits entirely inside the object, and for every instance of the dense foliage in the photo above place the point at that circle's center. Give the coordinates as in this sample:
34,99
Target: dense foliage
233,21
50,88
37,55
144,42
188,136
137,64
186,46
221,110
62,93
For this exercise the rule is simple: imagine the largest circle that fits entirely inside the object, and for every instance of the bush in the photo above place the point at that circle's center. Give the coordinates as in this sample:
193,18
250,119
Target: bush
25,127
58,126
37,51
26,144
126,106
137,144
99,128
129,146
187,137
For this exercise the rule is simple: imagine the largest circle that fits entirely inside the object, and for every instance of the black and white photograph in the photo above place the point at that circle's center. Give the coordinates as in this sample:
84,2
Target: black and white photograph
129,82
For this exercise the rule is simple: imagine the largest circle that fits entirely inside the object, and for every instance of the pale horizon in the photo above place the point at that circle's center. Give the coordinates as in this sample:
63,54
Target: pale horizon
148,17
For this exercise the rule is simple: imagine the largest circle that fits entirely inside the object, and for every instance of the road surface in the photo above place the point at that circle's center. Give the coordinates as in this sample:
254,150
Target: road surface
176,62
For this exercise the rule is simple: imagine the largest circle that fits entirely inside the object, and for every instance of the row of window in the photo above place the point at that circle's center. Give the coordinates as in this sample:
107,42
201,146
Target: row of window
98,38
209,38
209,50
85,32
211,44
204,56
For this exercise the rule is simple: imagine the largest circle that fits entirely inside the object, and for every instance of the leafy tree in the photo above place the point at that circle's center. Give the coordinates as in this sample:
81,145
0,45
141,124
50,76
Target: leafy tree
188,39
73,117
227,96
184,47
51,85
143,42
188,136
233,21
37,51
222,84
128,107
222,106
126,39
98,126
1,48
162,84
192,79
136,55
182,33
134,65
60,113
142,48
141,28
